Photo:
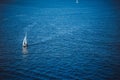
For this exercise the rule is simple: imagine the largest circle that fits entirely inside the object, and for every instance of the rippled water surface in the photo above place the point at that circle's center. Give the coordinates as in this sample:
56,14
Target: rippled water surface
66,40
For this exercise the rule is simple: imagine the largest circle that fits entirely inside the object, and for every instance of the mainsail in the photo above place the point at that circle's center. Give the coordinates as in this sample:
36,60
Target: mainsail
25,41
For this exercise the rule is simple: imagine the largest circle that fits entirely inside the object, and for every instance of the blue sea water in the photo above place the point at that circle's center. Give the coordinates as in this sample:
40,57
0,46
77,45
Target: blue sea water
66,40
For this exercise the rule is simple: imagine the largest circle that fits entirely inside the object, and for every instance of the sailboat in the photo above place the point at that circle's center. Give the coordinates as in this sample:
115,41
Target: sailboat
25,44
77,1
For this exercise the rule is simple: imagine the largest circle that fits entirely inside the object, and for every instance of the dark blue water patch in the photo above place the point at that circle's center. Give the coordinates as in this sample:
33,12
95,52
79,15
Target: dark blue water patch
61,3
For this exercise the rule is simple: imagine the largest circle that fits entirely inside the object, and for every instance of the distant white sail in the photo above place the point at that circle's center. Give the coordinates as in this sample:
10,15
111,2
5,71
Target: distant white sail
77,1
25,41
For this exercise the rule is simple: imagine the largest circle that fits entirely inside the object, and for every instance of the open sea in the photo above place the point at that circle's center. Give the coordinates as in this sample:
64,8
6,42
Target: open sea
66,40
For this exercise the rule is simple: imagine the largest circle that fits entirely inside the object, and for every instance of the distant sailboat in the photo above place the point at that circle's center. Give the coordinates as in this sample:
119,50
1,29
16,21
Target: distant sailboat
25,41
77,1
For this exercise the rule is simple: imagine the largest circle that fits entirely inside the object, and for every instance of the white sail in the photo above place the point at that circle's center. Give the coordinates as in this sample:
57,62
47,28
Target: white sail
77,1
25,41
